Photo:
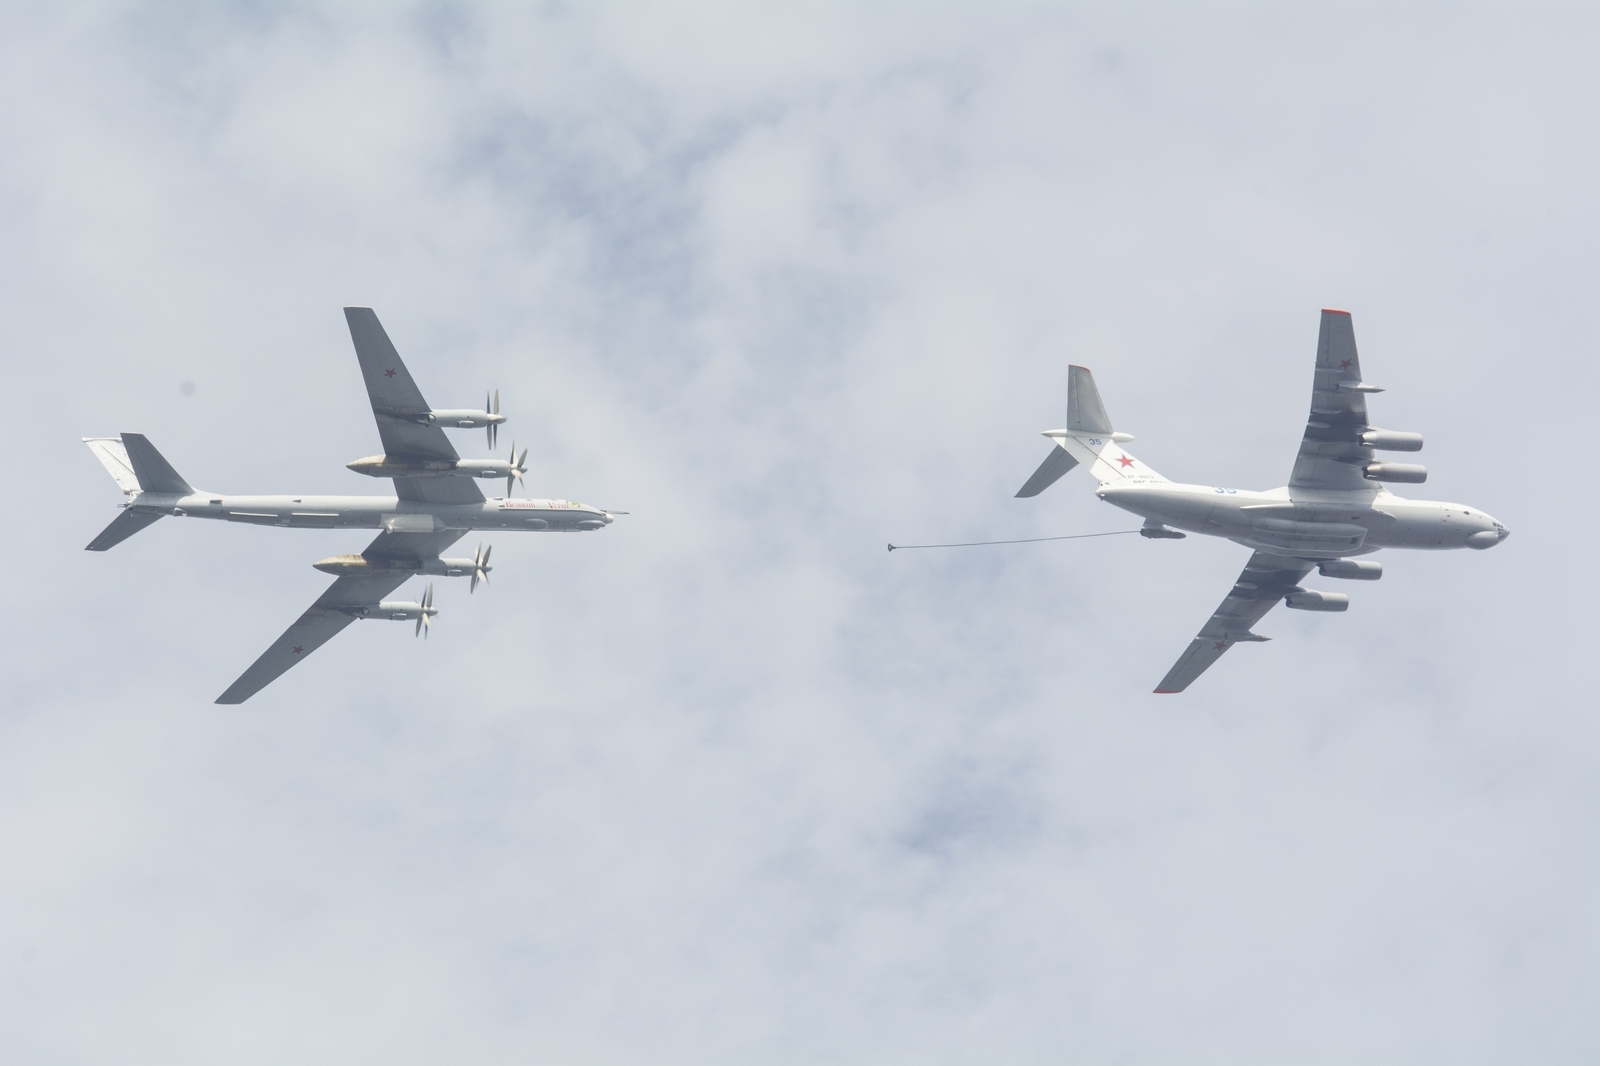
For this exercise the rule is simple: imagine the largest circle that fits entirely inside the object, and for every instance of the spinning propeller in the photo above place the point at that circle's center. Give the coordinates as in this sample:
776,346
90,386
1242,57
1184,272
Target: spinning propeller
480,567
518,468
494,422
426,613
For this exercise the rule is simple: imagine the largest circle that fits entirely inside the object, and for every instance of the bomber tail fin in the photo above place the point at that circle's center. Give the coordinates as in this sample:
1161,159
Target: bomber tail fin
155,474
1088,439
114,457
136,466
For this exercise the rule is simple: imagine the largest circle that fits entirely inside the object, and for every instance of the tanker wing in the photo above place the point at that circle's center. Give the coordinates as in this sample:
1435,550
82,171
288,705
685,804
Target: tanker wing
1331,453
1266,580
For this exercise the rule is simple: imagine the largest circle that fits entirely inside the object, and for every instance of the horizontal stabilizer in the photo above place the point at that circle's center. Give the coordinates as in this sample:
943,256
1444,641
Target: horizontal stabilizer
121,528
1058,462
155,474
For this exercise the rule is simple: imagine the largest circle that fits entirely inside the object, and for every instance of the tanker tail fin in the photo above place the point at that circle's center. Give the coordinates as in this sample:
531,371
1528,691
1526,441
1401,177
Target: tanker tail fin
1088,439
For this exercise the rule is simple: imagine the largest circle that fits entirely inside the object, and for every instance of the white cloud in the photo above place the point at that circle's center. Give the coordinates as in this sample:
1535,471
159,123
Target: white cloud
727,782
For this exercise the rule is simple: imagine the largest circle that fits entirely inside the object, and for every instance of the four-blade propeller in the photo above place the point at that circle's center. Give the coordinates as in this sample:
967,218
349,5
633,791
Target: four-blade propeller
518,467
425,615
494,419
480,568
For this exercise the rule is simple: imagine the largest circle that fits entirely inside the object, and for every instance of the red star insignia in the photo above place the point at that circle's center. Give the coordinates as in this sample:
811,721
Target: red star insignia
1220,645
1346,364
388,373
1125,461
298,649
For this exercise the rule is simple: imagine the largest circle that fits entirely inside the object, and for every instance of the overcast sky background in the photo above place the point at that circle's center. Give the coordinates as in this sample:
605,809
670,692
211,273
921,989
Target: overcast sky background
726,782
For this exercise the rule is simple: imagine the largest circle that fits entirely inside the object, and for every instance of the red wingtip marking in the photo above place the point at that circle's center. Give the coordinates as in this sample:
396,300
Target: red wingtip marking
1334,311
1168,691
1080,366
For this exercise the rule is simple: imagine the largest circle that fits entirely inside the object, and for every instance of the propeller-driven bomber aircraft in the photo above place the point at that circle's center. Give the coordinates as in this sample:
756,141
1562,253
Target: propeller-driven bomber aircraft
435,504
1334,507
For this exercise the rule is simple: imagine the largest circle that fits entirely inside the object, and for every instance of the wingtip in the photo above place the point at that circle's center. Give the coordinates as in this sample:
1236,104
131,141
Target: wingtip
1167,691
1335,311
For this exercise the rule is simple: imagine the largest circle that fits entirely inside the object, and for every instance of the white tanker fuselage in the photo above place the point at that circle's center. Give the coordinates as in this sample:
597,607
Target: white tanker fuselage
1330,527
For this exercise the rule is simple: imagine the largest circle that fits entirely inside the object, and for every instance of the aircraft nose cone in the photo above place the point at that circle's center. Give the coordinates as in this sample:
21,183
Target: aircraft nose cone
1486,538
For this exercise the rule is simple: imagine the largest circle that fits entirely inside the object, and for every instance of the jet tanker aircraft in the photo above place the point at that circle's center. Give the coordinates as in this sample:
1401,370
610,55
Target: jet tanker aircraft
1335,507
435,504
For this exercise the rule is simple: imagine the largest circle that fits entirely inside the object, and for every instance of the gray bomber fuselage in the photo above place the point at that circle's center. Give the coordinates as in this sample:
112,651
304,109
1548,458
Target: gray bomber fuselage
1323,525
376,512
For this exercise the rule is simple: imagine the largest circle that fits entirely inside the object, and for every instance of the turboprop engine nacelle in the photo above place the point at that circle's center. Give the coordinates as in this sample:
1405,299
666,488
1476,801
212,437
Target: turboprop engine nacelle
489,418
1388,440
1403,473
1351,569
458,419
383,466
485,468
360,564
393,610
400,610
1311,600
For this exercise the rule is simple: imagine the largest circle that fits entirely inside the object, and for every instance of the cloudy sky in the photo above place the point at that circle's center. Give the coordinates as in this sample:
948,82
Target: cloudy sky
727,782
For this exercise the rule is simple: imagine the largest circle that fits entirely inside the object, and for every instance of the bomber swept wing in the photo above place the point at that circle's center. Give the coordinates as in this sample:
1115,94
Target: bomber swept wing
394,556
402,414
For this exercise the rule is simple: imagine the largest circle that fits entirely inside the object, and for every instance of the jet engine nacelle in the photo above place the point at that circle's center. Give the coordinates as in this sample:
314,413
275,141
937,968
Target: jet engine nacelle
1404,473
1388,440
1351,569
1312,600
